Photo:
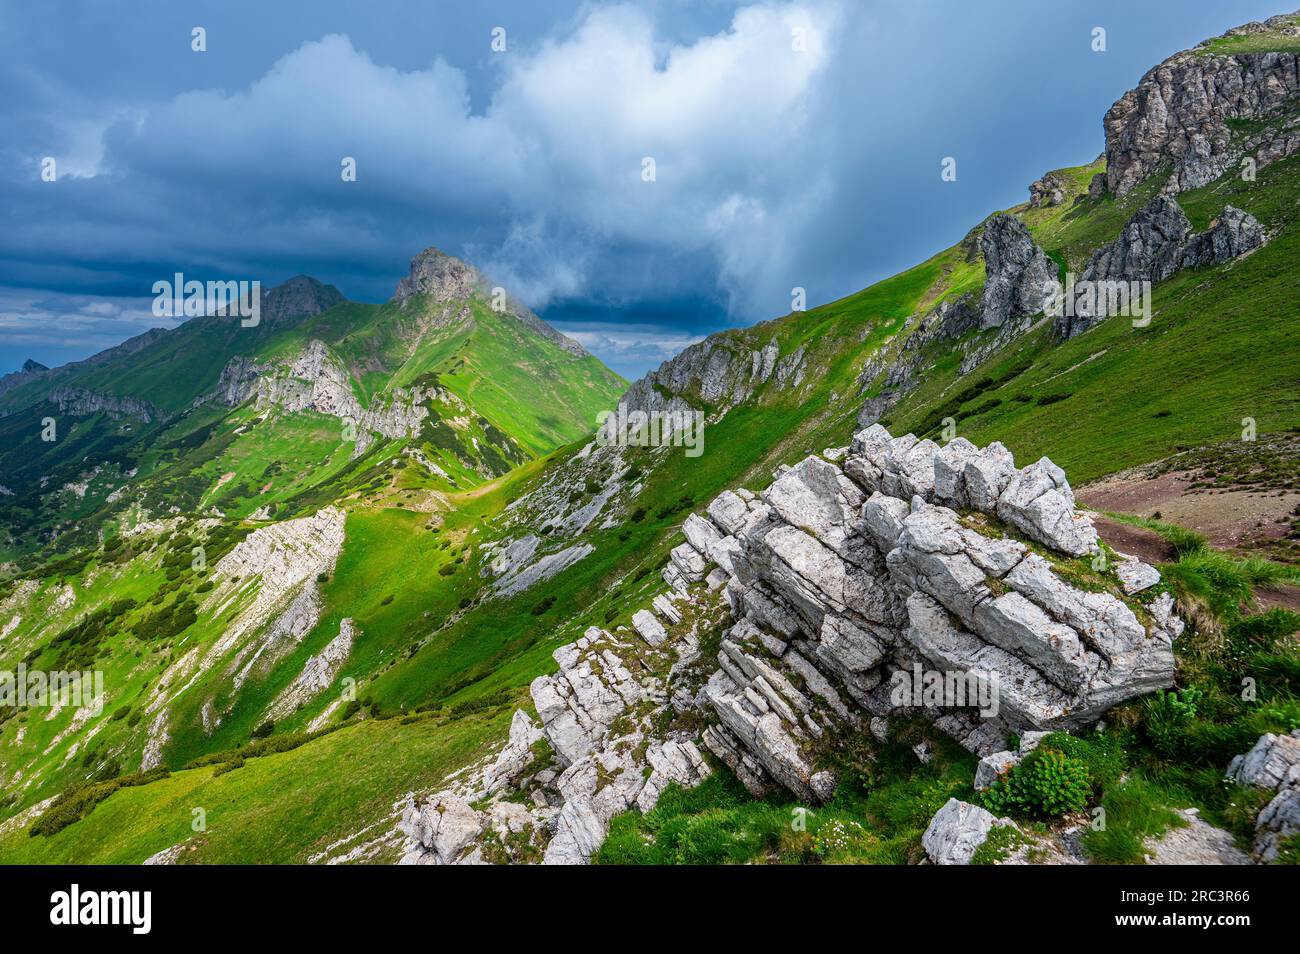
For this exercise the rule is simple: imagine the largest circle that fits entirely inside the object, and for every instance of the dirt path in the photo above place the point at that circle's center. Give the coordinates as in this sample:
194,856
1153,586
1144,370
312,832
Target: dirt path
1147,545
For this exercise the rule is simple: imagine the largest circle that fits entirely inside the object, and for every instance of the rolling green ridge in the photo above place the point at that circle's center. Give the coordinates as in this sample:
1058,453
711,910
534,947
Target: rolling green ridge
510,394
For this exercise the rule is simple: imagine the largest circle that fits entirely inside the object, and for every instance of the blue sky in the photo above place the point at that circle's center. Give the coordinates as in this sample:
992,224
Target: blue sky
775,166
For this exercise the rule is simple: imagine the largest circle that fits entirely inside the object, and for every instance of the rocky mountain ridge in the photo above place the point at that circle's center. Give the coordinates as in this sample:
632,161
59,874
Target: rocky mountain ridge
1157,243
316,380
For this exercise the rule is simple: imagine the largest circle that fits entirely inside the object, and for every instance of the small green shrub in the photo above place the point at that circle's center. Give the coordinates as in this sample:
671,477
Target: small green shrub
1046,783
1103,754
74,804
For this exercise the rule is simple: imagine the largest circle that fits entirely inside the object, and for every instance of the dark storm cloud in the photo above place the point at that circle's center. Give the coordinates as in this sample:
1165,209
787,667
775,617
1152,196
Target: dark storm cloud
794,144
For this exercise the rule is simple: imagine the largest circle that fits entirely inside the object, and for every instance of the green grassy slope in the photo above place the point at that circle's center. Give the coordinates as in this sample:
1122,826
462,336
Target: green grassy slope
1118,396
514,395
279,808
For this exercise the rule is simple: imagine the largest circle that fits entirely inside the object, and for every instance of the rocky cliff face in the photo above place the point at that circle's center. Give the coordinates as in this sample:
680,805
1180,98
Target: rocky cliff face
1017,275
80,402
237,382
316,380
1182,113
1017,271
266,589
441,277
1156,244
813,598
718,373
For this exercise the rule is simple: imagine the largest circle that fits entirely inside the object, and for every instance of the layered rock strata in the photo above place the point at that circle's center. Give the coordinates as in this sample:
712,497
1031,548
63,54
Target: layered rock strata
820,599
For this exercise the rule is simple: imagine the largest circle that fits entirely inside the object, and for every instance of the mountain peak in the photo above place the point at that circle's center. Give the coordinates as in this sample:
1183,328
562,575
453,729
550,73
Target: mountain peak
444,277
31,365
299,296
439,275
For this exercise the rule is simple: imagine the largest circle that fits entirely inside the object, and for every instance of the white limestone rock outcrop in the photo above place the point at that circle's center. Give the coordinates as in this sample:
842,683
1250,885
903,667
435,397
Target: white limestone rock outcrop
815,596
599,750
1273,764
840,577
317,673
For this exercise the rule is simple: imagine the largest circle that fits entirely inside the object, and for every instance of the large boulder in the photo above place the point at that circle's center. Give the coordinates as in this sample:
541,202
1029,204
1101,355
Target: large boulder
440,827
957,831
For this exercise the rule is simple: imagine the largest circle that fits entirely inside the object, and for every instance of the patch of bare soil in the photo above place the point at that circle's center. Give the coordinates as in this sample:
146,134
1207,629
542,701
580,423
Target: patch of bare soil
1242,520
1288,597
1150,547
1242,496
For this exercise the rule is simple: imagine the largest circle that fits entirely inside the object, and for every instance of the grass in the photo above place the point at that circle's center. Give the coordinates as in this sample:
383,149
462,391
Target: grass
1223,583
275,809
1207,325
1135,809
1214,588
1069,232
877,815
1251,43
